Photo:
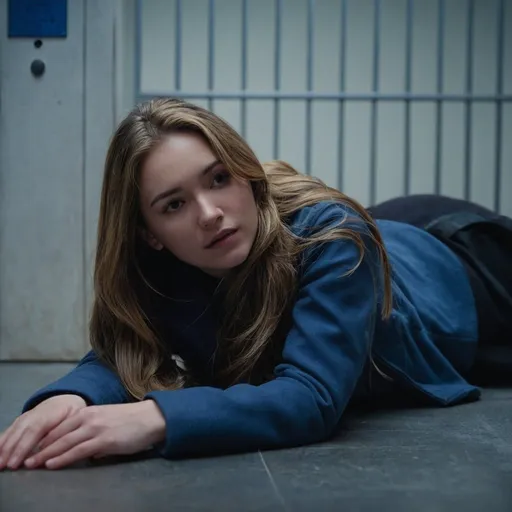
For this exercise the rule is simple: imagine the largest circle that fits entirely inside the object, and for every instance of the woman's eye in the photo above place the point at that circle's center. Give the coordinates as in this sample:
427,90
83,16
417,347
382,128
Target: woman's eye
221,178
173,205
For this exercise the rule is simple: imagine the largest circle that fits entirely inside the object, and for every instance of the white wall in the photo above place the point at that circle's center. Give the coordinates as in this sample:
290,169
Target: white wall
157,77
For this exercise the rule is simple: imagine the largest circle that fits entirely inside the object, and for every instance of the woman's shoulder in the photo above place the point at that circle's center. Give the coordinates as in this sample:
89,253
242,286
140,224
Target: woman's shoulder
321,215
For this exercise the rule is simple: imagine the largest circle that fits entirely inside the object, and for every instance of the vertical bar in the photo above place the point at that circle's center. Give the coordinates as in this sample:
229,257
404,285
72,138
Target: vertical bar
407,112
138,49
439,88
341,109
500,44
243,108
467,103
211,49
277,73
309,80
375,87
177,50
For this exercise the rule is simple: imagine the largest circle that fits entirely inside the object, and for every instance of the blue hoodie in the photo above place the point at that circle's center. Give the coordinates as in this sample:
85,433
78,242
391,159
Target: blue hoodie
424,348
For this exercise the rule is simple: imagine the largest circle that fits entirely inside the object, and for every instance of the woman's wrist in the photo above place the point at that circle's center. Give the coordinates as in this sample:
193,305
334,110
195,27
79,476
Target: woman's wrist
155,421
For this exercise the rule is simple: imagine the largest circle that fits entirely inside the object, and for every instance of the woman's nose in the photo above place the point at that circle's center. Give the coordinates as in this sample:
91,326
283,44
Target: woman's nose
209,214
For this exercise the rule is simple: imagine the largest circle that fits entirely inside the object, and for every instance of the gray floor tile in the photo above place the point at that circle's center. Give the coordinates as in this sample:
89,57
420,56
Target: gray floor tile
403,460
227,483
403,476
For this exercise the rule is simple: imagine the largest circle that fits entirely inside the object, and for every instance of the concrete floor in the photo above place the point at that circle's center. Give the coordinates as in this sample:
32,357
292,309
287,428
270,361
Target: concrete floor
421,460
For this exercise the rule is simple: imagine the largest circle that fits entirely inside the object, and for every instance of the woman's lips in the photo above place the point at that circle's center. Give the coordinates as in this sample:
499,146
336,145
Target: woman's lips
223,240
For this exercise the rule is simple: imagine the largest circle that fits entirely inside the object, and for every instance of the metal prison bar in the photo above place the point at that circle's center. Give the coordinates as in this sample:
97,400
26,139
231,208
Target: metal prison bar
468,97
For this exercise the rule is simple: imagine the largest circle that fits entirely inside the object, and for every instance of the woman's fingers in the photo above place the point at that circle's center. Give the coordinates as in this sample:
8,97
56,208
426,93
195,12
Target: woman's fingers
20,441
3,439
63,444
7,442
79,452
5,435
23,436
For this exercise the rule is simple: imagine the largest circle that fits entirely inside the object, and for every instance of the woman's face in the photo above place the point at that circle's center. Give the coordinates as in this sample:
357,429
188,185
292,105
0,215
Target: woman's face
194,208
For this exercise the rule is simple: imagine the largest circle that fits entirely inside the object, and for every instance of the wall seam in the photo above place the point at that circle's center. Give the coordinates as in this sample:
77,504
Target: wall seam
84,181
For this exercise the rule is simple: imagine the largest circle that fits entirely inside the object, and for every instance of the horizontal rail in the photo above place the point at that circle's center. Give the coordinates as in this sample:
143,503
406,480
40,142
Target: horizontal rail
279,95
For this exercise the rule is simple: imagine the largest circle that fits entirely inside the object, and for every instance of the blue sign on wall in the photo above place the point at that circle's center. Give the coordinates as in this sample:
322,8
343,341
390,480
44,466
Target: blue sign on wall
37,18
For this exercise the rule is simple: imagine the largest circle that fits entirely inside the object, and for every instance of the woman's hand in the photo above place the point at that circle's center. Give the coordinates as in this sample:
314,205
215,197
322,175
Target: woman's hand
98,431
23,436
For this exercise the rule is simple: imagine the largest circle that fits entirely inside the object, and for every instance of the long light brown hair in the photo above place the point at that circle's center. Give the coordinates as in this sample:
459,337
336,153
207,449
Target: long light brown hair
258,294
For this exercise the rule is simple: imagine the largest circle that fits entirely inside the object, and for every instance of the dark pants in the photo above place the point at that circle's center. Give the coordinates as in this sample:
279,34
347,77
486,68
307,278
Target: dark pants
483,241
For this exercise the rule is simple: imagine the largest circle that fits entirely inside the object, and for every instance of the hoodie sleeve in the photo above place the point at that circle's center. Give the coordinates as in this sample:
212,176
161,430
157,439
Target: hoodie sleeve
91,379
323,357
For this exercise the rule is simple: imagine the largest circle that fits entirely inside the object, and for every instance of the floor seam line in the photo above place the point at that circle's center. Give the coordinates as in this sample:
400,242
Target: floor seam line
273,482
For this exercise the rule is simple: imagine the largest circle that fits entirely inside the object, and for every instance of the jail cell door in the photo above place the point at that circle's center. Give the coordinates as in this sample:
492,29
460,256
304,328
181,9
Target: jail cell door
55,94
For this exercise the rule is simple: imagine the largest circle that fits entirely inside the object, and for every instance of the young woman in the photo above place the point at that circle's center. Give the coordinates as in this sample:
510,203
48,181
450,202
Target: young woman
243,307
